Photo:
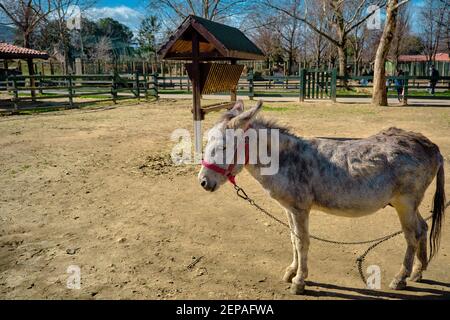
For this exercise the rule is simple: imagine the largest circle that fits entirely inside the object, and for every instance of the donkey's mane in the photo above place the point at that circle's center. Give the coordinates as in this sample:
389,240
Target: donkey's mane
272,124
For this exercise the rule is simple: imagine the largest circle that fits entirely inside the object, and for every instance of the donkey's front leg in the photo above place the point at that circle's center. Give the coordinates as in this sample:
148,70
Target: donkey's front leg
301,224
291,270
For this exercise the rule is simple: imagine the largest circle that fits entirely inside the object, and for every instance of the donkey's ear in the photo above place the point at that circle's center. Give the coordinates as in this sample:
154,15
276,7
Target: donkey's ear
237,109
243,120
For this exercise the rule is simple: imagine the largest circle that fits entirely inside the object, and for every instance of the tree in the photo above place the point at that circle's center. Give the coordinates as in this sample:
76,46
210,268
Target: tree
379,95
343,15
147,37
401,33
121,36
288,31
435,16
102,50
26,15
173,11
64,9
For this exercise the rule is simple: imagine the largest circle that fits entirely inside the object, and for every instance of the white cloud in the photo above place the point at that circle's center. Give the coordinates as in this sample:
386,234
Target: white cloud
126,15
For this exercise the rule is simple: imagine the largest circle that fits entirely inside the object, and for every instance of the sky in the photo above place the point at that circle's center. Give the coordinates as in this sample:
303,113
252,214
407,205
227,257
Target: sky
131,12
128,12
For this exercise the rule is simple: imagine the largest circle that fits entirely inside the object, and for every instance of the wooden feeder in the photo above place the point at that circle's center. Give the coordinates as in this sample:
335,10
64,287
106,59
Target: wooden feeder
202,41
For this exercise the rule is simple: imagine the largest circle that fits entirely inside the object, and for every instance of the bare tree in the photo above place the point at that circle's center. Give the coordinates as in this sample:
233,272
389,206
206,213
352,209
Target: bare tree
26,15
379,95
64,9
434,14
102,50
175,10
343,16
402,31
358,42
288,31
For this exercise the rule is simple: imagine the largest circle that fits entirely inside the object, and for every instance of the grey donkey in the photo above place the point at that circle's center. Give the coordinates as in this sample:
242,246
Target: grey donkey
349,178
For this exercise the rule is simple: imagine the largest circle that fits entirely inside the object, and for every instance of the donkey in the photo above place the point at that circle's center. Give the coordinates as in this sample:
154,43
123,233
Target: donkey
350,178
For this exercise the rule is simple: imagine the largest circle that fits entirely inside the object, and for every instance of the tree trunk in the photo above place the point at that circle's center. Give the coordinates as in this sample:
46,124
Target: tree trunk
342,56
342,61
379,95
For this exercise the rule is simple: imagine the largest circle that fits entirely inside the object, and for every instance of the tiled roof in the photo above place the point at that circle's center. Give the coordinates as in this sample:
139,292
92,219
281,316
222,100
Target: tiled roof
9,51
413,58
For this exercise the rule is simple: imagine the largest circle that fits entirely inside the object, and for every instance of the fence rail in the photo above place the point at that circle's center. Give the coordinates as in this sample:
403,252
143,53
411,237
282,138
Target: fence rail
310,84
68,87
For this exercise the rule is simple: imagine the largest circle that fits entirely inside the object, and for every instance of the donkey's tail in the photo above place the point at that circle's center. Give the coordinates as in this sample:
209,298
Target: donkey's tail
438,211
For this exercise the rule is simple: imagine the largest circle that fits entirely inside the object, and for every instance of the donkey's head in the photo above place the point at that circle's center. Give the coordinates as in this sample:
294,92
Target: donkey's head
220,161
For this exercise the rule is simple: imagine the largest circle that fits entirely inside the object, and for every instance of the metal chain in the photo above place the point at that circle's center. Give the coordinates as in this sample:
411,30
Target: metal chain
359,261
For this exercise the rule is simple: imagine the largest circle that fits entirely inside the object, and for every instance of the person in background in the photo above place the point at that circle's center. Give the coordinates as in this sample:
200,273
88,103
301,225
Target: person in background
388,84
434,78
399,85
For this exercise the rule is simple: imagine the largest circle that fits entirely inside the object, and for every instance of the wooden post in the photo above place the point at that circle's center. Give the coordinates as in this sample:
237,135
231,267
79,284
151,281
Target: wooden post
138,91
405,88
251,92
233,92
196,96
113,87
333,85
155,85
15,93
70,90
32,80
145,86
302,85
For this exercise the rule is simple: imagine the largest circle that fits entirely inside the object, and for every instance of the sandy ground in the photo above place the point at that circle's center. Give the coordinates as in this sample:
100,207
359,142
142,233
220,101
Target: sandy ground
95,189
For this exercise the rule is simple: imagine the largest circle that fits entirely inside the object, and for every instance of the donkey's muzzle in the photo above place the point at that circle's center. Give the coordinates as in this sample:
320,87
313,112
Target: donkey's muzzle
207,185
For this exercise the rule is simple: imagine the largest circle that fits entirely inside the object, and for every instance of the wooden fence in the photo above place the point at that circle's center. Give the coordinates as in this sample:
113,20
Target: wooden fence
310,84
317,84
65,88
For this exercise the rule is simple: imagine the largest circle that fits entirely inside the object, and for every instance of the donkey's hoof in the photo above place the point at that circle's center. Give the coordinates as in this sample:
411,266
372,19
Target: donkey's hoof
397,284
289,275
298,288
416,277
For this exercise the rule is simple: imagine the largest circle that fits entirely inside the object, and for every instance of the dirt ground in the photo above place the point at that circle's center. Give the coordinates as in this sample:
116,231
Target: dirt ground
95,188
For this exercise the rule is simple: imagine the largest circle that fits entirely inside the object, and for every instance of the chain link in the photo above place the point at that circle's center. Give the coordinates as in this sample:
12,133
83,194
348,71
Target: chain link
359,261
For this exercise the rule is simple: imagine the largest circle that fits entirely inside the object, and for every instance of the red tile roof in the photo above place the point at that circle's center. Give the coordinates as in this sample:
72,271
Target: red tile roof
419,58
9,51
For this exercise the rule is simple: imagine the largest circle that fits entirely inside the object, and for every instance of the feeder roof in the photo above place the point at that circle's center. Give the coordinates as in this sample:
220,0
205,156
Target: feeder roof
9,51
216,41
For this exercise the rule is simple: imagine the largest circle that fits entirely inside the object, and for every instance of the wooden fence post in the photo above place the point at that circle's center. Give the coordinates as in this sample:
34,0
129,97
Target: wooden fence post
15,93
40,84
138,91
405,88
70,90
251,92
155,85
145,86
302,85
113,87
333,85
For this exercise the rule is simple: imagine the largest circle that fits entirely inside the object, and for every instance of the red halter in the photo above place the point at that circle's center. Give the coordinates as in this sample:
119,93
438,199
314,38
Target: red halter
228,171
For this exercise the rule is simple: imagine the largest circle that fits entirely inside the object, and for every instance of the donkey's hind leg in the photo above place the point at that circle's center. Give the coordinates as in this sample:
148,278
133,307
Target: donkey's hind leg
406,209
301,229
291,270
421,261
